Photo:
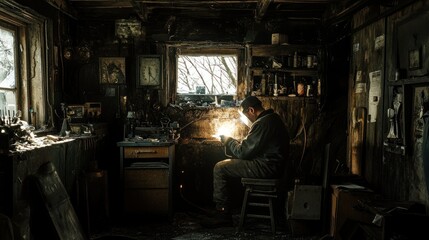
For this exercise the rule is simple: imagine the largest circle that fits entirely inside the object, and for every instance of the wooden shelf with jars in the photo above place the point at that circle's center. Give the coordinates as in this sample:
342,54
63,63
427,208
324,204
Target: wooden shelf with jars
284,70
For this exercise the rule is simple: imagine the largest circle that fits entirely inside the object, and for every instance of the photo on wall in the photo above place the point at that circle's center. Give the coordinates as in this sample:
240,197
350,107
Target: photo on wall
420,105
112,70
412,37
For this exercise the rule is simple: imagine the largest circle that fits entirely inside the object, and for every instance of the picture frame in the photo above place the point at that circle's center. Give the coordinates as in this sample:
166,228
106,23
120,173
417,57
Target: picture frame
414,59
418,106
112,70
149,71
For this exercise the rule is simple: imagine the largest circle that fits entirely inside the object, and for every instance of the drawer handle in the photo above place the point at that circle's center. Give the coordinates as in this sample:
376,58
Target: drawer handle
148,151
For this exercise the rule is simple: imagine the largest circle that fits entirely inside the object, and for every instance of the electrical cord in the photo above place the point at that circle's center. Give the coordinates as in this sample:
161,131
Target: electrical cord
182,195
304,145
226,154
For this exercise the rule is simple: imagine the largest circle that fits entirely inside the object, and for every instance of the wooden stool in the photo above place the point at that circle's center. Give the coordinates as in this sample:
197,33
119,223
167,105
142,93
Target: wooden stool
263,190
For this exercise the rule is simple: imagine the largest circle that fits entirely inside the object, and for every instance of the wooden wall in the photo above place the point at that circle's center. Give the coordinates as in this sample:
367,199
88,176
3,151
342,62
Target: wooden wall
395,174
365,126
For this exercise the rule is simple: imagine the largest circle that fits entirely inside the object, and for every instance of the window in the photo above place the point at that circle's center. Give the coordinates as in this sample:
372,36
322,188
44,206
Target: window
7,70
207,79
213,75
25,63
184,87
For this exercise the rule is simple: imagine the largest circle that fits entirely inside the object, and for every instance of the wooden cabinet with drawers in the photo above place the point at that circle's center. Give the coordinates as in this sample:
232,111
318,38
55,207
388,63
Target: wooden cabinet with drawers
146,175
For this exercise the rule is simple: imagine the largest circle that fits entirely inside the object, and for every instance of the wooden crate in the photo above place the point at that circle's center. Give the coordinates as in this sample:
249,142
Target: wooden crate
344,208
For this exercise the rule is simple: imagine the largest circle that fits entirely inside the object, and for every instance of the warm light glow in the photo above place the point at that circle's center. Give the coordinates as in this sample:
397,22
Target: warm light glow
244,119
225,129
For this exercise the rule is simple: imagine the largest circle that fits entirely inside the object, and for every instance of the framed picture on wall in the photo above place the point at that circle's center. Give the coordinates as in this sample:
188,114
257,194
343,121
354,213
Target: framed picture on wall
414,59
149,71
420,104
112,70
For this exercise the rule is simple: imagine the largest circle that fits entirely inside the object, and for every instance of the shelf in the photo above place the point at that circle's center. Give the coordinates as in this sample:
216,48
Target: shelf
408,81
277,50
287,98
293,71
302,63
394,148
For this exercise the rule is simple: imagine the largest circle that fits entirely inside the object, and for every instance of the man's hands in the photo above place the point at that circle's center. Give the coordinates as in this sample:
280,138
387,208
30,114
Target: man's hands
224,139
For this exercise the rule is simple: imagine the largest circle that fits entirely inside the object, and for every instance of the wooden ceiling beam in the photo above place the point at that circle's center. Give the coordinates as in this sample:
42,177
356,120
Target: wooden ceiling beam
140,10
304,1
261,9
106,1
206,2
63,6
258,9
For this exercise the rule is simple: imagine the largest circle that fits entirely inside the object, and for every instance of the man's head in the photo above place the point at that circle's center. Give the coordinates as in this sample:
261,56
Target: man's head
251,107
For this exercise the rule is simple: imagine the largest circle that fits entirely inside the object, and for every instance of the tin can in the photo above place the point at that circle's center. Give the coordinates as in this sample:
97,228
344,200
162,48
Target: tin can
300,90
309,61
309,91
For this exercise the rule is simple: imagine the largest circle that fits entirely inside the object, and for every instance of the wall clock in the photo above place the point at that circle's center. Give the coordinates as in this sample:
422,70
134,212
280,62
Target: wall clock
149,71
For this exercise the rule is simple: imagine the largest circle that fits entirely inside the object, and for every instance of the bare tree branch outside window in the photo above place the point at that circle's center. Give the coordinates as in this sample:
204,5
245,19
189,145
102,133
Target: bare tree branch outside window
7,70
211,75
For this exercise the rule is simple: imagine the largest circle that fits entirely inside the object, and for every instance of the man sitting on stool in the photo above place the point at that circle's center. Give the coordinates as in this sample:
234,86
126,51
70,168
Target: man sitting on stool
263,153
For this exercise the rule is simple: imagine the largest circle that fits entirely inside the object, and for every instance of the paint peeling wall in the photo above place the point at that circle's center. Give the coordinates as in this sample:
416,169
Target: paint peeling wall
37,75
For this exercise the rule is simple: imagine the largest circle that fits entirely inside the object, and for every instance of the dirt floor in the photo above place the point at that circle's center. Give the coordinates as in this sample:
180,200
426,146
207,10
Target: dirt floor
189,226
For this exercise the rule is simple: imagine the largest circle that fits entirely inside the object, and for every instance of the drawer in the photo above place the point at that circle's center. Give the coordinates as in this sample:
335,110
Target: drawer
146,178
153,201
146,152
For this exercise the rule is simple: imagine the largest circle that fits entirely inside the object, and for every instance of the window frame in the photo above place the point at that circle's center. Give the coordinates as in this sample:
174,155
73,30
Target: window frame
209,55
15,30
34,62
196,48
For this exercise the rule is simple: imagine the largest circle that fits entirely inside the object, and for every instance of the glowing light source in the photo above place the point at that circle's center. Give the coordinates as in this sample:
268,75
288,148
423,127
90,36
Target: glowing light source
244,119
225,129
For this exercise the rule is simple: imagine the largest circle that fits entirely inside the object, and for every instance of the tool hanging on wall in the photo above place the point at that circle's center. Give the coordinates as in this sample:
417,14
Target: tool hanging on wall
359,119
65,127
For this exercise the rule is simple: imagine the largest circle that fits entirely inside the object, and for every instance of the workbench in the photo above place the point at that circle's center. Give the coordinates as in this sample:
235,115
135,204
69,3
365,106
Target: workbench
70,156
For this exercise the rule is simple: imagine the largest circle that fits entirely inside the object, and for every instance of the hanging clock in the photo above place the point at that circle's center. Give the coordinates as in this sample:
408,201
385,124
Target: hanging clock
149,71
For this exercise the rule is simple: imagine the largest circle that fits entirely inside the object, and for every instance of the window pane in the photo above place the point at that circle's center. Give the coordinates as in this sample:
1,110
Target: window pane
7,101
213,75
7,59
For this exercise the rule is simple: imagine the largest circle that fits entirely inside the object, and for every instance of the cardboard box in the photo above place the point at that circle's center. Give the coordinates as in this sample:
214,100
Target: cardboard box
345,199
305,202
278,38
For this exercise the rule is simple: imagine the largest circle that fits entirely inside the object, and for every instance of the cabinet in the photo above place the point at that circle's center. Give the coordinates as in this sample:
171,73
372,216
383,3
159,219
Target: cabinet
288,70
345,211
146,177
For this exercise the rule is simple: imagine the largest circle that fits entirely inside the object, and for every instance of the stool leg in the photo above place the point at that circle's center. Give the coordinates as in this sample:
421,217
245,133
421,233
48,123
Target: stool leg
273,223
243,209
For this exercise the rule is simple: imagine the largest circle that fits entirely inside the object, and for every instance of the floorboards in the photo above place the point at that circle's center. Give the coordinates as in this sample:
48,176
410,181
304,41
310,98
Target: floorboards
188,226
